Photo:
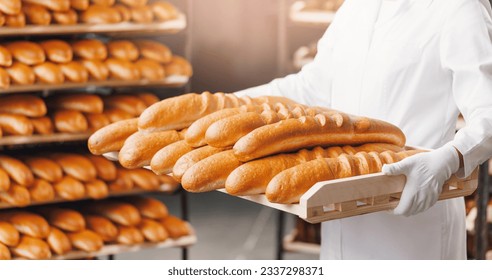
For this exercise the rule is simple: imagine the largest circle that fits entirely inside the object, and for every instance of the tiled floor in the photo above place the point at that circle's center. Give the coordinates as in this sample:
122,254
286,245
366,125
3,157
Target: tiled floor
227,228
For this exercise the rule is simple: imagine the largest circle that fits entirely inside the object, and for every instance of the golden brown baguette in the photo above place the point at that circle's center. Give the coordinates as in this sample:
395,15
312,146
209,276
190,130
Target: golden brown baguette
148,98
178,66
12,124
4,181
5,57
26,105
31,248
17,171
154,50
142,14
26,52
96,121
124,11
69,188
2,19
326,129
148,207
164,160
4,252
4,79
10,7
74,72
59,242
164,11
289,185
112,137
41,191
86,240
17,20
64,219
118,212
87,103
96,68
152,230
97,189
116,115
105,169
144,179
21,74
27,223
49,73
36,14
123,181
79,5
70,121
140,147
57,51
123,49
189,159
69,17
130,104
102,226
175,227
129,235
54,5
16,196
45,168
120,69
253,177
97,14
42,125
8,234
76,165
150,69
90,49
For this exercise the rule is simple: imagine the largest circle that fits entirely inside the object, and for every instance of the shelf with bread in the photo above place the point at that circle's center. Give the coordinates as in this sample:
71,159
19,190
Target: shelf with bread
45,17
277,157
91,229
50,65
314,12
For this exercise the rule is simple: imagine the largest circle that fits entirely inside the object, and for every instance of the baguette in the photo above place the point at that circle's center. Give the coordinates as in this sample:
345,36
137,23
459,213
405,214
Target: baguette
79,5
2,21
130,104
18,171
27,223
175,227
17,20
31,248
5,57
36,14
59,242
116,115
90,49
120,69
118,212
77,166
45,168
4,252
87,103
148,98
86,240
188,160
26,52
150,70
154,50
102,226
64,219
129,235
4,181
69,188
325,129
4,79
97,189
123,181
97,14
69,17
152,230
49,73
26,105
144,179
123,49
210,173
148,207
75,72
164,160
41,191
164,11
105,169
21,74
96,121
178,66
70,121
112,137
11,7
289,185
140,147
142,14
97,69
54,5
12,124
17,196
42,125
57,51
124,11
8,234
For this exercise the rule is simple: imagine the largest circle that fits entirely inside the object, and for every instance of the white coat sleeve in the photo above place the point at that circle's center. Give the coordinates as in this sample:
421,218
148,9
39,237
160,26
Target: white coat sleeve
466,51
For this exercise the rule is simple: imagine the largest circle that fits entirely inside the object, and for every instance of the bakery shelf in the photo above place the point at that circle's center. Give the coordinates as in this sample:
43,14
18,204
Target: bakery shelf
39,139
169,82
165,188
291,245
167,27
319,18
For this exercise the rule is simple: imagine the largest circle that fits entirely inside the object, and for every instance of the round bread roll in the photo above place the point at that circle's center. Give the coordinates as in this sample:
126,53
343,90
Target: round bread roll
105,169
27,223
45,168
79,5
90,49
97,189
16,196
49,73
86,240
42,125
96,121
148,207
54,5
123,49
64,219
175,227
58,241
8,234
5,57
18,20
120,69
102,226
150,69
70,121
97,69
4,181
178,66
69,17
76,165
130,104
142,14
12,124
87,103
41,191
4,252
69,188
124,11
10,7
154,50
152,230
134,3
21,74
148,98
75,72
106,3
57,51
4,79
129,235
36,14
116,115
26,52
32,249
23,104
17,170
97,14
164,11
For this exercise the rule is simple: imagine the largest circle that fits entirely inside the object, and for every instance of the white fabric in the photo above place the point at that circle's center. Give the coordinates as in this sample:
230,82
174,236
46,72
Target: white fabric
417,70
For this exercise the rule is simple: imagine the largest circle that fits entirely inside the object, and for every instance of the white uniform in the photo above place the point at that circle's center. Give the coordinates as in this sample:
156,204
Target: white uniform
416,64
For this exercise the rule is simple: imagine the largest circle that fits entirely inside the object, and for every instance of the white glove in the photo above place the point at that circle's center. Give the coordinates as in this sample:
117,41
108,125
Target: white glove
426,174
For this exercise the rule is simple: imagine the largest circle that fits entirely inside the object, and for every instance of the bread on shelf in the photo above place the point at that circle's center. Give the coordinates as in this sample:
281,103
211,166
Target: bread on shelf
69,17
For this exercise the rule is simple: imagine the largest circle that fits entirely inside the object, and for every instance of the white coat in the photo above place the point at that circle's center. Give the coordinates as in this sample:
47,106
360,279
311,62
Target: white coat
416,69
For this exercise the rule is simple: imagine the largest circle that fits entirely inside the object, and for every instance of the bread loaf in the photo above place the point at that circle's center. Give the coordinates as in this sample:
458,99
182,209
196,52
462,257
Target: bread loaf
87,103
49,73
130,104
97,189
140,147
116,115
69,17
17,196
129,235
178,66
4,252
133,3
27,223
59,242
90,49
12,124
54,5
64,219
76,165
175,227
57,51
45,168
96,121
75,72
41,191
112,137
105,169
2,19
97,69
123,49
322,130
123,181
188,160
118,212
70,121
17,171
31,248
97,14
120,69
142,14
148,98
152,230
289,185
4,181
42,125
10,7
168,180
8,234
145,179
69,188
124,11
17,20
26,105
21,74
5,57
4,79
26,52
102,226
79,5
86,240
36,14
164,160
164,11
154,50
150,69
148,207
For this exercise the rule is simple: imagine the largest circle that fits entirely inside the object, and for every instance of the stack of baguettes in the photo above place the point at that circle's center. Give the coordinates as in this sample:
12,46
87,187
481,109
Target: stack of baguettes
251,145
68,176
56,62
41,232
25,115
19,13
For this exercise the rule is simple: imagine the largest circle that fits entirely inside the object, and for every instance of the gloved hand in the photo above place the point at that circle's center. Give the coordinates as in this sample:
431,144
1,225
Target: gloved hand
426,174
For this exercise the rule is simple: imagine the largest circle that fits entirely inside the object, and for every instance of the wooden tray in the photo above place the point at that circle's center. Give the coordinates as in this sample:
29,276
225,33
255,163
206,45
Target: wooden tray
319,18
167,27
